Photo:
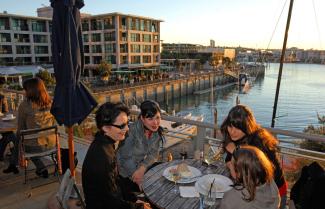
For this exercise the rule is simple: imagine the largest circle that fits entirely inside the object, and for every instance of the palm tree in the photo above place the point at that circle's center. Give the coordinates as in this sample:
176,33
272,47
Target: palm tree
105,70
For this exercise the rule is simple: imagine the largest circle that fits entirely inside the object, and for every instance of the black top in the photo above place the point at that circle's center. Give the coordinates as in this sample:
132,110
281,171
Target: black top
255,141
100,177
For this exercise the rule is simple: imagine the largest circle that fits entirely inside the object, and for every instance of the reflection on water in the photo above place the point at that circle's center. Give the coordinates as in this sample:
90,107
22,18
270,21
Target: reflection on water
302,94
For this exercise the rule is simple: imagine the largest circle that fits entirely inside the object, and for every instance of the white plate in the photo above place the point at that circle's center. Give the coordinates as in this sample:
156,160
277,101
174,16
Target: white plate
8,119
195,173
221,184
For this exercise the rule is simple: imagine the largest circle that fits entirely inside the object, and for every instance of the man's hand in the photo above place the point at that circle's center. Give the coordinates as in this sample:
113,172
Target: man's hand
231,147
137,176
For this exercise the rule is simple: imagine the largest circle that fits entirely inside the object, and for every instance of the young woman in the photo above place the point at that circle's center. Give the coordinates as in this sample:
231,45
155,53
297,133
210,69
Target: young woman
99,171
254,186
240,128
140,149
34,112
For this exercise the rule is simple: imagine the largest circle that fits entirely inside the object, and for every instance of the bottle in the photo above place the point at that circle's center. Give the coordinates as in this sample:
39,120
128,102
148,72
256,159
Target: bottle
169,157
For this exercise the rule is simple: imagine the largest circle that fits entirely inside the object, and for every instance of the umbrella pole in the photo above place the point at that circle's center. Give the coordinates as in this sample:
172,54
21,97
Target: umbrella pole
71,151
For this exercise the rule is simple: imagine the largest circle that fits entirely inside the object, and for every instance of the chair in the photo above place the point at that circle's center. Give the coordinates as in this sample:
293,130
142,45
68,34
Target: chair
68,189
54,153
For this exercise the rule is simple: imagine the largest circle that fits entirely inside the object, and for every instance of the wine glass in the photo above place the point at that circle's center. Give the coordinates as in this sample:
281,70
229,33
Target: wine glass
211,155
175,176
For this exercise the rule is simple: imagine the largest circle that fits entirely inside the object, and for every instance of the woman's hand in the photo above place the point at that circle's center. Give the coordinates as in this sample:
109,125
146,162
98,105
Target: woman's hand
137,176
231,168
231,147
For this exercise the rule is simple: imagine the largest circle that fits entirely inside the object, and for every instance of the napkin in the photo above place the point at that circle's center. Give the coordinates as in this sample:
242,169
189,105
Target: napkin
188,191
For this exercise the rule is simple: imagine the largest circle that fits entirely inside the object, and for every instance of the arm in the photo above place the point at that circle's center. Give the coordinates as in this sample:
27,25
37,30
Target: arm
125,153
21,119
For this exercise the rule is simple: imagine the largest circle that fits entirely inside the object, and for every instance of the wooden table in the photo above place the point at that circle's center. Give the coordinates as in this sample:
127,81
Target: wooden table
159,190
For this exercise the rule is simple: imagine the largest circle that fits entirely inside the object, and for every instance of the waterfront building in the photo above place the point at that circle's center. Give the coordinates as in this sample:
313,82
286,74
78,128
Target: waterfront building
181,48
24,39
125,41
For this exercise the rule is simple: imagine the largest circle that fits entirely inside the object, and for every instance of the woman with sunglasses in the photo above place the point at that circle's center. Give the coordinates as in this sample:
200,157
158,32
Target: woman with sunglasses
99,171
240,128
140,149
254,186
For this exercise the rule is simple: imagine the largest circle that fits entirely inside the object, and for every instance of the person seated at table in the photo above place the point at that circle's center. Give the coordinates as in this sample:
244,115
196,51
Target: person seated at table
140,149
34,112
240,128
99,171
4,137
254,186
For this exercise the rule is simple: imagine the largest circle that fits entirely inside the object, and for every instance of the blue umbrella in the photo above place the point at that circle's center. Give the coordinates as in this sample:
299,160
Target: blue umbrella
72,101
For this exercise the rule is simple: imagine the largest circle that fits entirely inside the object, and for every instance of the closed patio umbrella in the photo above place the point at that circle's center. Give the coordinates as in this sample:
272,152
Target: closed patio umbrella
72,101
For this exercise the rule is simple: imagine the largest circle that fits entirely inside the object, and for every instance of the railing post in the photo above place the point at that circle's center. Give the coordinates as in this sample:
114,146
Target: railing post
199,139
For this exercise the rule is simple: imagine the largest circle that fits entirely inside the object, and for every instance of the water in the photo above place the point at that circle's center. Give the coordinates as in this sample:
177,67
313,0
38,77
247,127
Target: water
302,95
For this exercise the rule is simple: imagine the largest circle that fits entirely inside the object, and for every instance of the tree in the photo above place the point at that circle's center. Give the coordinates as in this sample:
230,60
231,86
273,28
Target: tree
105,70
46,77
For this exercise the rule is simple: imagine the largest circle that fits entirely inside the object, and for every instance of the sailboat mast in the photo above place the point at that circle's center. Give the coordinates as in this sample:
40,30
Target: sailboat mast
281,64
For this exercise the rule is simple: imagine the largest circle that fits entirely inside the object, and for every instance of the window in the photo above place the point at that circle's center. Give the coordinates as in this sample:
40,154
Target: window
41,60
146,38
85,25
156,48
86,48
111,59
146,49
96,37
124,36
4,23
135,59
40,38
142,25
123,23
137,24
23,49
4,49
41,50
109,23
155,38
123,48
38,26
97,59
96,49
19,24
21,38
135,48
85,38
146,59
5,37
109,48
87,60
135,37
96,24
109,36
123,59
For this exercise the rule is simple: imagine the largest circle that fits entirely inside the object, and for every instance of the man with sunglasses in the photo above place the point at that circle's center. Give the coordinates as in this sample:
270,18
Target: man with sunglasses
140,150
100,179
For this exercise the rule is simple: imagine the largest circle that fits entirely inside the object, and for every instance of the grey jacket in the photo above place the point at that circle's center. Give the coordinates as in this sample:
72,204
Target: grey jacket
266,197
137,150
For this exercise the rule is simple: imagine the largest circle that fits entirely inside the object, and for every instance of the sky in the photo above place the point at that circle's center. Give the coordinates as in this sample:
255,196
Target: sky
232,23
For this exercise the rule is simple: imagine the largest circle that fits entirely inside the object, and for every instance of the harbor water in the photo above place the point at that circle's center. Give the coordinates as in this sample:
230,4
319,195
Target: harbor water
302,95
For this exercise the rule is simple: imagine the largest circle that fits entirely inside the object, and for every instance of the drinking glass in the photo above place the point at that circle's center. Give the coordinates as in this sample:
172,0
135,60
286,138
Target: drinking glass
175,176
211,154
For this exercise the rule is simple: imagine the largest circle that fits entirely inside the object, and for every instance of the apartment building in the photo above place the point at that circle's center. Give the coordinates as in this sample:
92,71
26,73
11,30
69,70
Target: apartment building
125,41
24,39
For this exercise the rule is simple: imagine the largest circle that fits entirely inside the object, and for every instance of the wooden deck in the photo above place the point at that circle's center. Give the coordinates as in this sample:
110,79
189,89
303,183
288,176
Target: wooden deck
14,194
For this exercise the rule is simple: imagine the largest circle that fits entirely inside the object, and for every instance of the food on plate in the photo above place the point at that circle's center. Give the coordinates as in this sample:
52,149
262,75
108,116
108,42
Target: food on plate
184,170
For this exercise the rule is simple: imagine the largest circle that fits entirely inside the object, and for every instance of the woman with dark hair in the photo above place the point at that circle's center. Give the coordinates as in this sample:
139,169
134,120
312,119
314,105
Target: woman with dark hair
99,171
34,112
240,128
254,186
140,149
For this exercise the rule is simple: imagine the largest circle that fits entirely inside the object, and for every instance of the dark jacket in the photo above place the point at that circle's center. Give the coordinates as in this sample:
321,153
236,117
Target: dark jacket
100,176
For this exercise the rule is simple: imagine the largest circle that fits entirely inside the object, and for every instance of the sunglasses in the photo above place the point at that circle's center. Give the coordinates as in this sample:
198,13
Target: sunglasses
122,126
